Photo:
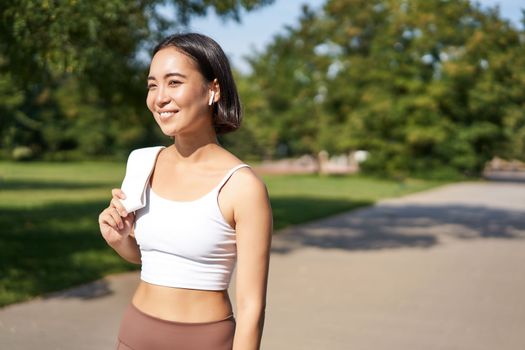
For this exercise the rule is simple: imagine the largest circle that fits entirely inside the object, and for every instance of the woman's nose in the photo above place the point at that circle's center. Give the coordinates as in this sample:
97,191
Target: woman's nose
162,97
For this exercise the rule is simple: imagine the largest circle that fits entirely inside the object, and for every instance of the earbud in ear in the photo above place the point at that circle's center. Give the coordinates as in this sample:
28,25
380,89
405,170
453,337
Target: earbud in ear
210,102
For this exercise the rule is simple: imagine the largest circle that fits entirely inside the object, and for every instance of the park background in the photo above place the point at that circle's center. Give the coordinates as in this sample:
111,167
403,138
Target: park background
428,88
431,89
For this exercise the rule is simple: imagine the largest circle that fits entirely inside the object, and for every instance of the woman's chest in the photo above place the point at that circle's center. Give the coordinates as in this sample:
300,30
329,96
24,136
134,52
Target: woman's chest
192,229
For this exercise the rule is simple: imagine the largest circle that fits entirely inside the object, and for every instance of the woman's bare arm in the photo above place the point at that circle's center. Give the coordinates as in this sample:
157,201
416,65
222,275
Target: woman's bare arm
253,218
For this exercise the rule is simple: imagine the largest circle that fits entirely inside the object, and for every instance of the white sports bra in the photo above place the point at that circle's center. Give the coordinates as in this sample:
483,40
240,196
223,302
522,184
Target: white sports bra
184,244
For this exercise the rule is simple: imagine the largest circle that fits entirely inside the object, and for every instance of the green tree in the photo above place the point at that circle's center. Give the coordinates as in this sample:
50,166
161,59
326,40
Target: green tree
71,72
427,86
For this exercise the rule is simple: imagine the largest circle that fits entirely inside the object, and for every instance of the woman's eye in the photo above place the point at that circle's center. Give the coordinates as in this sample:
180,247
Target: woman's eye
174,82
151,86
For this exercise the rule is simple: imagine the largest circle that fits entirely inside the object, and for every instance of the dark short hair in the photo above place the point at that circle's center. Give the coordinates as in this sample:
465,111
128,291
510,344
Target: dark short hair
213,64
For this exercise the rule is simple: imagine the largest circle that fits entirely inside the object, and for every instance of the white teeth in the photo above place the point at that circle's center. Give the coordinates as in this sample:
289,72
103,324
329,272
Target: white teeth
166,114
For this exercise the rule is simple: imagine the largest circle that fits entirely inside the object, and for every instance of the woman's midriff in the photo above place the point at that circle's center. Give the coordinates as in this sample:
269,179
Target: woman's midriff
182,305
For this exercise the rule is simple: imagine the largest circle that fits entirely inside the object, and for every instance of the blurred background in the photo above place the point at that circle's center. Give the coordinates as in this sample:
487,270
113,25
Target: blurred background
397,95
429,88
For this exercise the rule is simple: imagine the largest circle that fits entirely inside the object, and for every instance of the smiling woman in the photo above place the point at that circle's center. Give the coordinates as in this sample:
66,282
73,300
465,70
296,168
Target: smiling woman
181,68
177,93
201,211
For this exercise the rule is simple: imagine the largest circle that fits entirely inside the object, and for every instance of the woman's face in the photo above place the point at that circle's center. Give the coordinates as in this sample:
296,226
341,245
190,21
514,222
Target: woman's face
178,94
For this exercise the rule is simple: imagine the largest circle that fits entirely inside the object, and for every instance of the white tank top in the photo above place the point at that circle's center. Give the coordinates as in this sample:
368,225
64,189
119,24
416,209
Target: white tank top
186,244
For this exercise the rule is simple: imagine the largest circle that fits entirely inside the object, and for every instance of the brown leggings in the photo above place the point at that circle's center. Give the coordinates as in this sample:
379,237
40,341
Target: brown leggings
140,331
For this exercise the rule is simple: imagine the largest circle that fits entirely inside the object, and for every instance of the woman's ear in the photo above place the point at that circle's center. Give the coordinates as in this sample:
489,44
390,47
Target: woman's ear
215,92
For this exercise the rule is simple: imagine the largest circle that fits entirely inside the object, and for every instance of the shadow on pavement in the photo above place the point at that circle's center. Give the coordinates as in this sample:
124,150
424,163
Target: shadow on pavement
87,291
57,246
397,226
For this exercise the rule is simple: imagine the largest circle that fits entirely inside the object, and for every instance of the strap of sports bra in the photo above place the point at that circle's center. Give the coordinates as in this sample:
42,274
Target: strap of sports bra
229,174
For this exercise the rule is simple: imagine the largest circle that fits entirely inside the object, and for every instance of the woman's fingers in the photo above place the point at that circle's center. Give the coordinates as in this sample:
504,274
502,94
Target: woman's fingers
130,219
115,203
115,222
112,226
107,219
111,235
117,192
116,218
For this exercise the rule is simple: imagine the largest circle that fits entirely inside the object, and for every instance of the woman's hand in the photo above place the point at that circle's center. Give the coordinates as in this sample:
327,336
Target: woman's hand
115,223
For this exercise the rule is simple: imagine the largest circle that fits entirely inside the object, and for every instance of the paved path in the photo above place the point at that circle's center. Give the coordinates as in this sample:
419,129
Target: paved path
442,269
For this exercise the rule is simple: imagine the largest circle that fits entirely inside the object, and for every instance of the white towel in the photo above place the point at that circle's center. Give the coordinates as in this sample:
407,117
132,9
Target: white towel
138,171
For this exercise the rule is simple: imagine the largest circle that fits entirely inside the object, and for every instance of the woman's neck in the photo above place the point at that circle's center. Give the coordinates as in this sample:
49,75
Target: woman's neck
192,148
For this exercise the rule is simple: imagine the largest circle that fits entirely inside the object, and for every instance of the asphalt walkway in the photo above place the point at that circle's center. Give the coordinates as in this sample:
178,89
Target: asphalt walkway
442,269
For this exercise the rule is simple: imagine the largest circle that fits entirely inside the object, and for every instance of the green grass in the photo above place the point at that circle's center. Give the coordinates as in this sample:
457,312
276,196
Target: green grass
298,199
49,238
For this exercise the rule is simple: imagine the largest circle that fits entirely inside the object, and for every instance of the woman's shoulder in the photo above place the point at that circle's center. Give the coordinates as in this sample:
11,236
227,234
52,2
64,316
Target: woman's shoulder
224,160
246,183
243,174
248,193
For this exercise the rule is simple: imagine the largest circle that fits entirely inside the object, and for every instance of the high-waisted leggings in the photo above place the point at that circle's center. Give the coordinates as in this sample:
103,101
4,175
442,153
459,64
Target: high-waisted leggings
140,331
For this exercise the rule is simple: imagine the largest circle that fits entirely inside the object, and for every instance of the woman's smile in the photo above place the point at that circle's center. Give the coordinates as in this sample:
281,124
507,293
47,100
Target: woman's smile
164,115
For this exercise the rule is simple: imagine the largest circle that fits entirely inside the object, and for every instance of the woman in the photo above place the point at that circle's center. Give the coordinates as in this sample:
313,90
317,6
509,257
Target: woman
204,211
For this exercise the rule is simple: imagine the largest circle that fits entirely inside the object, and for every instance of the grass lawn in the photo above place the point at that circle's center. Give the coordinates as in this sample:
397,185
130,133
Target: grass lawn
49,238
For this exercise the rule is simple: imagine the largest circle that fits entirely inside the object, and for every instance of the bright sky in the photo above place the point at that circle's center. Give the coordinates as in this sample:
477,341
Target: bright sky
258,28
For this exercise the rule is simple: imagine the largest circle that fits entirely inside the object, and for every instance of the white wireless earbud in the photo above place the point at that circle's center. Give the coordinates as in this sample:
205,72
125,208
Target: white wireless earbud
211,98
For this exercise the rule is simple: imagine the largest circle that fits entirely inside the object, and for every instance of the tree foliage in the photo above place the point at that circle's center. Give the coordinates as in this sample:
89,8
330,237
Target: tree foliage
72,72
424,85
